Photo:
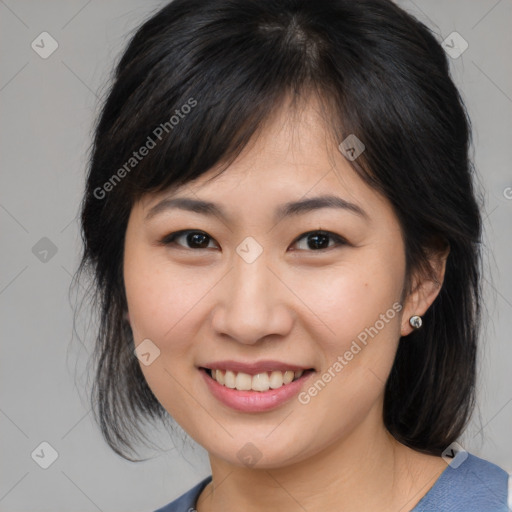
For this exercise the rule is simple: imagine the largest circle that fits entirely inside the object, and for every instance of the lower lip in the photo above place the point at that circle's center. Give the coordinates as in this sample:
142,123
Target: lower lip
255,401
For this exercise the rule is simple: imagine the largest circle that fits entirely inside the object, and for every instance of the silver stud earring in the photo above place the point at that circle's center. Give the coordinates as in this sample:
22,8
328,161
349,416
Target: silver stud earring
415,321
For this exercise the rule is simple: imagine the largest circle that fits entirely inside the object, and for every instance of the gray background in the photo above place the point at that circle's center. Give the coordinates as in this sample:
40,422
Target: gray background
47,110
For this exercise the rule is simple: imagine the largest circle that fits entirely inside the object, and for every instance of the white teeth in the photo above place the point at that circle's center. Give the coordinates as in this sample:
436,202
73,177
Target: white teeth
259,382
229,379
243,381
219,376
288,376
276,380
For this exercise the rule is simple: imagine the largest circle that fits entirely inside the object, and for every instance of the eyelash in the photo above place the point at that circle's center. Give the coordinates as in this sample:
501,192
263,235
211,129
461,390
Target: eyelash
170,239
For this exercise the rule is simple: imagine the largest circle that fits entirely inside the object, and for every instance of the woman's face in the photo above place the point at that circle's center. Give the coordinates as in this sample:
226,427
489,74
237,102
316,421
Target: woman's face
254,294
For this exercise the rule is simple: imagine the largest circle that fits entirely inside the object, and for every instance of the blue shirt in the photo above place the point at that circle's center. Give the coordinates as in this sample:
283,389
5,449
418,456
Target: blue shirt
475,486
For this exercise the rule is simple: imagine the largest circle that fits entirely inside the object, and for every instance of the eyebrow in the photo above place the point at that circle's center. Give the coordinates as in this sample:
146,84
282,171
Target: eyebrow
285,210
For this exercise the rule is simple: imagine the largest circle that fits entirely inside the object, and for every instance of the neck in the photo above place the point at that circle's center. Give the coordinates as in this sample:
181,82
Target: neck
367,470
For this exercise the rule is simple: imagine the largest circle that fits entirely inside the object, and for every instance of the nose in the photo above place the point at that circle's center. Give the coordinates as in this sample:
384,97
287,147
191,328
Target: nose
252,303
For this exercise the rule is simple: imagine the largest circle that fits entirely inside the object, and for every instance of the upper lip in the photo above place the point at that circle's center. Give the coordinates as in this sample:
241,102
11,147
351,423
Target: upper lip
253,368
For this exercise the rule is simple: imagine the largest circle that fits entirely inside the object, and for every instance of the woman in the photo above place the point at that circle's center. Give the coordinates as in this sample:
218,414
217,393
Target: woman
284,237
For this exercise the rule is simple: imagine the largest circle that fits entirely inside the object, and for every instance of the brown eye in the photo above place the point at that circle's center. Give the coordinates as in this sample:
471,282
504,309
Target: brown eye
192,239
319,240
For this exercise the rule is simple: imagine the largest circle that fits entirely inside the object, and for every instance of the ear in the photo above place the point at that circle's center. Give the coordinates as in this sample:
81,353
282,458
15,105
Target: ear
425,288
127,317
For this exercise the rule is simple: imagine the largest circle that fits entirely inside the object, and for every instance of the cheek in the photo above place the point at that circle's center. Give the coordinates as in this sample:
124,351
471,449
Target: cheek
347,300
357,305
161,304
360,323
158,296
168,305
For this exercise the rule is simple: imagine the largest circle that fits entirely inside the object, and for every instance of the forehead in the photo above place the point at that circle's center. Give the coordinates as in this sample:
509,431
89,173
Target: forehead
293,156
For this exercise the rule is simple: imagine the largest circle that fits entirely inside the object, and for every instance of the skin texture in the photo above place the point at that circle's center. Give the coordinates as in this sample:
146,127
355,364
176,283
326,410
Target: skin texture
294,303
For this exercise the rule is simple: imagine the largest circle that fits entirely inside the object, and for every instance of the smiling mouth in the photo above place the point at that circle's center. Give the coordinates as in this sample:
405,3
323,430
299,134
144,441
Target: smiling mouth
263,381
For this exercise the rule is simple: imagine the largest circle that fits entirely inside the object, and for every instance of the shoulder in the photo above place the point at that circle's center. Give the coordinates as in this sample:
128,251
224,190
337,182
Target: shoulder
470,484
186,502
476,485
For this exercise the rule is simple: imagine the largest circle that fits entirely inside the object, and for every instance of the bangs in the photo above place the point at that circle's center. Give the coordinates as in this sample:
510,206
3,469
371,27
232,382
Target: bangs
188,104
